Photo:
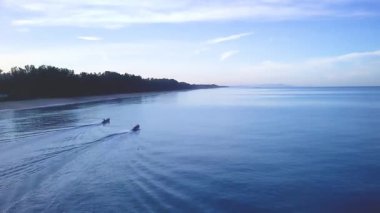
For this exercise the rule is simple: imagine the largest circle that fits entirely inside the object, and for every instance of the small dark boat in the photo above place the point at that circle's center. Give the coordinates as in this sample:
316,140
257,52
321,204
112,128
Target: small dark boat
136,128
106,121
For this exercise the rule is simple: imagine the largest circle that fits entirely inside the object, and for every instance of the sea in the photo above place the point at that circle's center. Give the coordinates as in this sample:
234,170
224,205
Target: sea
275,150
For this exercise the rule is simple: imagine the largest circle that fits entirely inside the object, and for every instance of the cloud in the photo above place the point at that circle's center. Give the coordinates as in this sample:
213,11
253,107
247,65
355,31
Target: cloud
207,45
345,58
99,56
119,13
224,56
89,38
228,38
352,69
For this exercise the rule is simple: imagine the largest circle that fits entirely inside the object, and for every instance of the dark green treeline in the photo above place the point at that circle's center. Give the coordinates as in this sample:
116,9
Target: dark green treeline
51,82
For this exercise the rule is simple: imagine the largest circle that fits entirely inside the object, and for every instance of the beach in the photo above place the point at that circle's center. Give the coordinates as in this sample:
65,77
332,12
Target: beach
49,102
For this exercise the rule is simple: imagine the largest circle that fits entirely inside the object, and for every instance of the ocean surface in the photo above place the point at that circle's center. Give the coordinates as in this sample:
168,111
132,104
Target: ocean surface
215,150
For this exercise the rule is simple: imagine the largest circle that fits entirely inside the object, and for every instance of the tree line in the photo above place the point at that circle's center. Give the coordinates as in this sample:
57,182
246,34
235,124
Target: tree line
51,82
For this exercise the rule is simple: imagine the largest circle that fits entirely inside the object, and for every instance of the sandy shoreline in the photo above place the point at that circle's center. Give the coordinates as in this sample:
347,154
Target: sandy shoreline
49,102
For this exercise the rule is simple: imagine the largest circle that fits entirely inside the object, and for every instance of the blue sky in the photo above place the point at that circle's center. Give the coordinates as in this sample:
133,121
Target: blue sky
296,42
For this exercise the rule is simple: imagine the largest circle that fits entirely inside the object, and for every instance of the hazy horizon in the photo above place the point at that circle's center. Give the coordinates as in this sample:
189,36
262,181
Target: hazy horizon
297,43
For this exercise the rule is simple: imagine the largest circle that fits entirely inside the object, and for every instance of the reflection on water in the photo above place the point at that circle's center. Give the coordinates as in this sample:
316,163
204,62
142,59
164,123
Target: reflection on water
219,150
31,122
39,119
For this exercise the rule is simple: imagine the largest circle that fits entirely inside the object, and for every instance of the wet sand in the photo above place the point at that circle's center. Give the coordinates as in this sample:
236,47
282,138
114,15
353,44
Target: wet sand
48,102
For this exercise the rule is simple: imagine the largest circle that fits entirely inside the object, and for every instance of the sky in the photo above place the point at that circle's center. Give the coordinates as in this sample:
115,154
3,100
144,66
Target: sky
239,42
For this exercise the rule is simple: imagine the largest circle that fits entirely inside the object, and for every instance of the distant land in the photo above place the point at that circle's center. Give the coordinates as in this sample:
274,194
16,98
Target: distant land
33,82
286,86
265,86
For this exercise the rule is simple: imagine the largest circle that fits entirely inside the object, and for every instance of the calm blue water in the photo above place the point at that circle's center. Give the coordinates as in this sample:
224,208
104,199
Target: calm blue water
217,150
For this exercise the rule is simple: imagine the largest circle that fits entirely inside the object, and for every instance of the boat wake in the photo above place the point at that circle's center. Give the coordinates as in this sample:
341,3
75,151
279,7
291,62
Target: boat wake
12,136
52,152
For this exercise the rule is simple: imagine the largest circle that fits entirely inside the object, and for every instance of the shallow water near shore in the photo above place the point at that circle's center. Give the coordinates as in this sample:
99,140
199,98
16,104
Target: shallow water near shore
214,150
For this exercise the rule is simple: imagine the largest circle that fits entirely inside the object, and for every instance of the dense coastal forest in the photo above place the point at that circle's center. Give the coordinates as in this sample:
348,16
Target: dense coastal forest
52,82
